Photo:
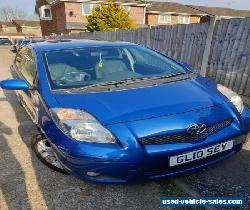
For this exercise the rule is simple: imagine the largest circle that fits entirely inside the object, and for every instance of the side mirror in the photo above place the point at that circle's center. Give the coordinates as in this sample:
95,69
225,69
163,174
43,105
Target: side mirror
14,84
185,65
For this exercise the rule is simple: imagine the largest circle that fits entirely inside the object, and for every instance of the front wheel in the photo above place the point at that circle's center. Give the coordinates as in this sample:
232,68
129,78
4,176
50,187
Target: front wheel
45,153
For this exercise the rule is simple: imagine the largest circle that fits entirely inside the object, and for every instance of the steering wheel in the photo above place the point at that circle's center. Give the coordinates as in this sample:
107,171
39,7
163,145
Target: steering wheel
76,77
71,77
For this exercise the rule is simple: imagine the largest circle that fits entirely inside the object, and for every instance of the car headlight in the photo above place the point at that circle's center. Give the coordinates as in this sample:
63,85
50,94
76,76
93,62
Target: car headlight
81,126
232,96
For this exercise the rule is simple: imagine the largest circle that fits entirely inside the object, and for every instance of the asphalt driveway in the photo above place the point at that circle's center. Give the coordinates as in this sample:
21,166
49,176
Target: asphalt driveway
25,183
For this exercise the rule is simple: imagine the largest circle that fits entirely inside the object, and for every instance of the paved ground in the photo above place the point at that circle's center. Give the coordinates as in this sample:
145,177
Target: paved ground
25,183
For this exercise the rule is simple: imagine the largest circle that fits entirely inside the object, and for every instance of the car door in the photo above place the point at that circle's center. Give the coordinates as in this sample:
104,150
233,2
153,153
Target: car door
25,68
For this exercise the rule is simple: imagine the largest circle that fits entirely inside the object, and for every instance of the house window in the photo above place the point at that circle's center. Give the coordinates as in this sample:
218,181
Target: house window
164,18
86,9
184,19
45,12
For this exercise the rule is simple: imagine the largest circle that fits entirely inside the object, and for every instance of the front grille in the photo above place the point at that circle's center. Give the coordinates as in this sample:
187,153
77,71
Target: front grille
185,137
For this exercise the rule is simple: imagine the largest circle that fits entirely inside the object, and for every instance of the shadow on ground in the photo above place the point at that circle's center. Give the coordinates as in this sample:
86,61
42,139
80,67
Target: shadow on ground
12,177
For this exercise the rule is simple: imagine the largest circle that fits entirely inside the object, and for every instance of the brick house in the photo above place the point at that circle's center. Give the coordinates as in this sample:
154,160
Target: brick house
69,16
168,13
223,13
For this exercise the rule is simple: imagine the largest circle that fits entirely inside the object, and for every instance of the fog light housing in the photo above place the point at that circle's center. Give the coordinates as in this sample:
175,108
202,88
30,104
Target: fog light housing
93,174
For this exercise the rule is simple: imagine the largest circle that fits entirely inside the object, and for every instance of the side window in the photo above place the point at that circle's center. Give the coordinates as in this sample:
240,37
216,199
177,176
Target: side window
26,65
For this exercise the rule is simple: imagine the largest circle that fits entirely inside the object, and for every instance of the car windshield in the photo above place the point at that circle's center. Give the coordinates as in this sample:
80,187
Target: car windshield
83,67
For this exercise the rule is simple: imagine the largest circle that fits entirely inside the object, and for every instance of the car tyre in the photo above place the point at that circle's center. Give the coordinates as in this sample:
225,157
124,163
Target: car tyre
45,153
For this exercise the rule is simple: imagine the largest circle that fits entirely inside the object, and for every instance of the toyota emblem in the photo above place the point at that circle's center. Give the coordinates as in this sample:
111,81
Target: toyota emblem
197,129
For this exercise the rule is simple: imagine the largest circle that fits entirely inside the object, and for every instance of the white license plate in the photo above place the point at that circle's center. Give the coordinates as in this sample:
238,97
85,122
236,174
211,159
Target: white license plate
200,154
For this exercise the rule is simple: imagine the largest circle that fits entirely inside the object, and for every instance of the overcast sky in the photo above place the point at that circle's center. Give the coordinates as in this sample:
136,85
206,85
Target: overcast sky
29,5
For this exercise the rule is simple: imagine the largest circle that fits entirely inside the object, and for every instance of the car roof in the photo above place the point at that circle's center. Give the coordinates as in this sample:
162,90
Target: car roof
72,44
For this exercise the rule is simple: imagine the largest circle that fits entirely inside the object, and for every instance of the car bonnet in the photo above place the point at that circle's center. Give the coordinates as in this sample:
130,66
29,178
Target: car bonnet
136,104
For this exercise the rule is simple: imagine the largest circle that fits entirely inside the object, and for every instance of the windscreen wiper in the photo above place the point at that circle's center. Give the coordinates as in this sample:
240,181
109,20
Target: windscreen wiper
170,75
115,83
118,83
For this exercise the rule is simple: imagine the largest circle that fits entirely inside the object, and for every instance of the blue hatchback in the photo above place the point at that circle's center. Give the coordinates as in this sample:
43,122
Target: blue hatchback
116,112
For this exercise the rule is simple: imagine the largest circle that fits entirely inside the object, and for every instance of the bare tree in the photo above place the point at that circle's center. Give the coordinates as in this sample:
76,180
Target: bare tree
9,13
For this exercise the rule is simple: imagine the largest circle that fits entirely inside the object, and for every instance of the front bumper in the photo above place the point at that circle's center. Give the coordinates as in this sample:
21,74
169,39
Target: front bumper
133,162
121,172
118,171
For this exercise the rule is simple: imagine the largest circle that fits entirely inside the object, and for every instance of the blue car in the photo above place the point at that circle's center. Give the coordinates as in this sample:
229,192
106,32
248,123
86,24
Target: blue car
116,112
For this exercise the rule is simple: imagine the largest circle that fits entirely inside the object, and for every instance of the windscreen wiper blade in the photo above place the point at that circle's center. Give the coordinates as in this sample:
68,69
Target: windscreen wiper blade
119,83
116,83
171,75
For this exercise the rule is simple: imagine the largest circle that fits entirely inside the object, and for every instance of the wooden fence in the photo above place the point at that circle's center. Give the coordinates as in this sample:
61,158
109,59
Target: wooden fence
219,49
229,59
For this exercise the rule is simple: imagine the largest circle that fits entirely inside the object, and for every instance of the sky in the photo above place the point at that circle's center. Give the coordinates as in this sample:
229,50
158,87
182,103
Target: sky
29,5
235,4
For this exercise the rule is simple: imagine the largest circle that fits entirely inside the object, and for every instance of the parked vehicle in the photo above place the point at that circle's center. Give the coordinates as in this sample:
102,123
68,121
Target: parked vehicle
5,42
115,112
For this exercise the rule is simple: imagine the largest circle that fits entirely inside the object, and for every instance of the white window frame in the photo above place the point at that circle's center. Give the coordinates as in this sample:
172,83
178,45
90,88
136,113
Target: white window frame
92,6
165,20
180,19
42,12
